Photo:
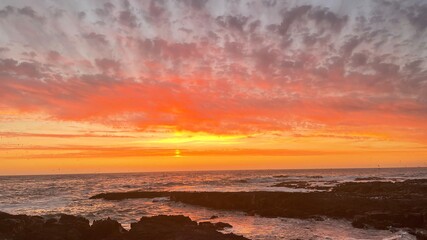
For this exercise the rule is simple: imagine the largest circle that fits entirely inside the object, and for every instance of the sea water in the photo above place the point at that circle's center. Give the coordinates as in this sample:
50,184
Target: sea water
49,195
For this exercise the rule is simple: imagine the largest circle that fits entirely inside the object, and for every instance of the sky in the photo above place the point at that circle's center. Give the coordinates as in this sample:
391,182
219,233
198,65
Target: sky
117,86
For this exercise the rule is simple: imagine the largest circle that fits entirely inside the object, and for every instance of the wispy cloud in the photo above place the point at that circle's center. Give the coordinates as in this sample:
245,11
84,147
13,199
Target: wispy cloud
61,135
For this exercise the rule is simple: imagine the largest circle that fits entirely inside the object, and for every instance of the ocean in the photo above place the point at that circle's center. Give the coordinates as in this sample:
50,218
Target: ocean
49,195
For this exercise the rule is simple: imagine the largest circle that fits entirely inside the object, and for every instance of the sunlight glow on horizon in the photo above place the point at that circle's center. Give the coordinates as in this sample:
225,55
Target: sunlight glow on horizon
199,138
212,84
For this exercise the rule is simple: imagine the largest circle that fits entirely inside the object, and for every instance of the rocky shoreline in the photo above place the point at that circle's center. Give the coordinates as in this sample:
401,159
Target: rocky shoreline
67,227
379,205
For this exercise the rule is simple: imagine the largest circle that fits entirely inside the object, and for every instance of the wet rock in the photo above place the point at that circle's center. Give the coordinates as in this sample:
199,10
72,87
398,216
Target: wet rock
74,221
369,179
67,227
23,227
160,199
376,220
367,204
389,189
421,234
302,185
222,225
250,213
281,176
242,181
315,177
14,225
387,220
51,221
207,225
216,226
318,218
292,184
297,176
176,227
106,228
127,195
321,188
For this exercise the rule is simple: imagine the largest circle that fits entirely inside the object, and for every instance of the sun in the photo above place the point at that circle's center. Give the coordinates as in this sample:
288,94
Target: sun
177,153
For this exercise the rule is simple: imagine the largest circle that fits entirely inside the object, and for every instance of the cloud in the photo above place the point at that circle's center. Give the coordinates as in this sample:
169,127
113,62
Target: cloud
96,38
108,66
12,68
25,11
322,15
128,19
219,66
196,4
53,56
106,10
48,135
4,49
29,12
236,23
6,11
290,16
417,15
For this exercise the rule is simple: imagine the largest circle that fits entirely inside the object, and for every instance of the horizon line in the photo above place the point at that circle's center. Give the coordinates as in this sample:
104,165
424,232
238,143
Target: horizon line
217,170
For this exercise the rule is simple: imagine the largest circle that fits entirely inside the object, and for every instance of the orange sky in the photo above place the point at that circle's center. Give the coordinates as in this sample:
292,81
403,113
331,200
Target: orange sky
40,145
195,85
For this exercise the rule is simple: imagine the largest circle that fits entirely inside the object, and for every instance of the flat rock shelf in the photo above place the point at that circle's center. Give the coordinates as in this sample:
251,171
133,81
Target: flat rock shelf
378,204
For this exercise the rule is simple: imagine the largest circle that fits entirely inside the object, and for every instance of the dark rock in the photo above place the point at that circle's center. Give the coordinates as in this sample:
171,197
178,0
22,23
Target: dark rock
281,176
393,189
213,217
75,221
176,227
303,185
318,218
368,179
127,195
51,221
207,225
106,228
421,234
293,184
242,181
250,213
367,204
387,220
14,225
294,176
376,220
321,188
160,199
22,227
216,226
222,225
316,177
